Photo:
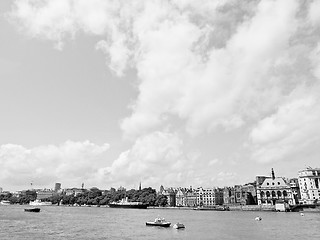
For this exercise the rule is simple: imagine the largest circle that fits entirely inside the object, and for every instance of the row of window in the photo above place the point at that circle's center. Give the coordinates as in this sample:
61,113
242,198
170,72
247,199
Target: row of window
273,194
272,183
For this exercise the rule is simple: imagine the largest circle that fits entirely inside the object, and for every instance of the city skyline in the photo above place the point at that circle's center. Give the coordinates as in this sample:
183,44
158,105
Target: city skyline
175,93
270,174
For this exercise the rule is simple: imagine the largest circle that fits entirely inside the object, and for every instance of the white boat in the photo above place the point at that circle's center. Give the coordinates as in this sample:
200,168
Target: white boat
124,203
38,202
160,222
178,225
5,202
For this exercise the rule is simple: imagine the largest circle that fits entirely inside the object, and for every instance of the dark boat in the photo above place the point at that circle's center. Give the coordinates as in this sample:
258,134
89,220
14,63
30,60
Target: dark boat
125,204
32,209
159,222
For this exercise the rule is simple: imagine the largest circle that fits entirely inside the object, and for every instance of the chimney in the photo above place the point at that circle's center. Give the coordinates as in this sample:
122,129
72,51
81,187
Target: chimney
272,174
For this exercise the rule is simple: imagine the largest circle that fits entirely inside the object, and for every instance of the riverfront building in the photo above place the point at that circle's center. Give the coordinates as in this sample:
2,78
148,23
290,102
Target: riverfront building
294,184
190,198
205,197
209,197
180,197
57,187
170,194
73,191
240,195
272,190
45,193
309,184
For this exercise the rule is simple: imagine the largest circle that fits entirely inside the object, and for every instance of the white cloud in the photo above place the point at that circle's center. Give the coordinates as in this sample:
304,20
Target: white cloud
184,67
252,64
213,162
293,129
117,54
154,159
313,13
226,175
215,91
70,163
291,132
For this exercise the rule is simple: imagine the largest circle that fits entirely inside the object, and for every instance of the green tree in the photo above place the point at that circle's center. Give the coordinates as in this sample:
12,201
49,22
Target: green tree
161,200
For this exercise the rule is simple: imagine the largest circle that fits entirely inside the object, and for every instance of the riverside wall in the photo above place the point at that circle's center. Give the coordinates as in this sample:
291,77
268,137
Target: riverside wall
253,208
231,208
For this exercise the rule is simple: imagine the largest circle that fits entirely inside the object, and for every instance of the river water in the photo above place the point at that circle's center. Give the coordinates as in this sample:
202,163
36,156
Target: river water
55,222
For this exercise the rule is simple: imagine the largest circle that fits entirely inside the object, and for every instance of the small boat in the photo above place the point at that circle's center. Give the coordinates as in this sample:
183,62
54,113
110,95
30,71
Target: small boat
32,209
160,222
5,202
212,208
258,218
178,225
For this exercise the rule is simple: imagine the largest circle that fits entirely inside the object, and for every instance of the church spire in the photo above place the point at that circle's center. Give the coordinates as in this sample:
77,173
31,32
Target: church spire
272,174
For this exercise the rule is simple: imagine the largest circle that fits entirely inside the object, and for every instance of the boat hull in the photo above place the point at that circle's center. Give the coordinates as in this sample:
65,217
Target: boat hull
32,210
136,206
211,209
166,224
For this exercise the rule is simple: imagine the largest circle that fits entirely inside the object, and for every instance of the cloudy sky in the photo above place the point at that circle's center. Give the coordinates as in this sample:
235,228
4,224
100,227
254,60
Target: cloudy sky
172,92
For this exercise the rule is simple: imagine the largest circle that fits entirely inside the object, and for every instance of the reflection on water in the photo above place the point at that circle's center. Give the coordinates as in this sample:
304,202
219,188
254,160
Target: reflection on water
106,223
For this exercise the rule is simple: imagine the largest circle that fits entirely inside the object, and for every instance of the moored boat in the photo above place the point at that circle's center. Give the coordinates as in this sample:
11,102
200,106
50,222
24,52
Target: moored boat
212,208
5,202
32,209
38,202
124,203
178,225
160,222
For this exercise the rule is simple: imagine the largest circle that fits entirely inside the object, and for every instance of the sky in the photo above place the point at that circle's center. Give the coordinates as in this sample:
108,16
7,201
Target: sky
176,93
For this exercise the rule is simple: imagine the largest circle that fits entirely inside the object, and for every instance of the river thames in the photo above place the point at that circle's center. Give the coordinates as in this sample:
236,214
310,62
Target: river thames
55,222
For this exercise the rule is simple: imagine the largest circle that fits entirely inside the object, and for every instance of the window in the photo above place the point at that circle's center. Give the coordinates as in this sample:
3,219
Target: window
278,183
279,194
267,184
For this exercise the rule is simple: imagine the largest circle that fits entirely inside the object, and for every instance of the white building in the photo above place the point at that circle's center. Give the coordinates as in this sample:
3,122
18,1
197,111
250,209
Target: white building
309,184
180,197
272,190
208,197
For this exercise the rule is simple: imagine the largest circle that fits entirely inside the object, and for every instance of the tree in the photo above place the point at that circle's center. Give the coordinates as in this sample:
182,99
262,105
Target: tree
161,200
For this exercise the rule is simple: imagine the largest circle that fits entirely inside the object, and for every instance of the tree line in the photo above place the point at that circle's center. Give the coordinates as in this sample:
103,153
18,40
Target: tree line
94,196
